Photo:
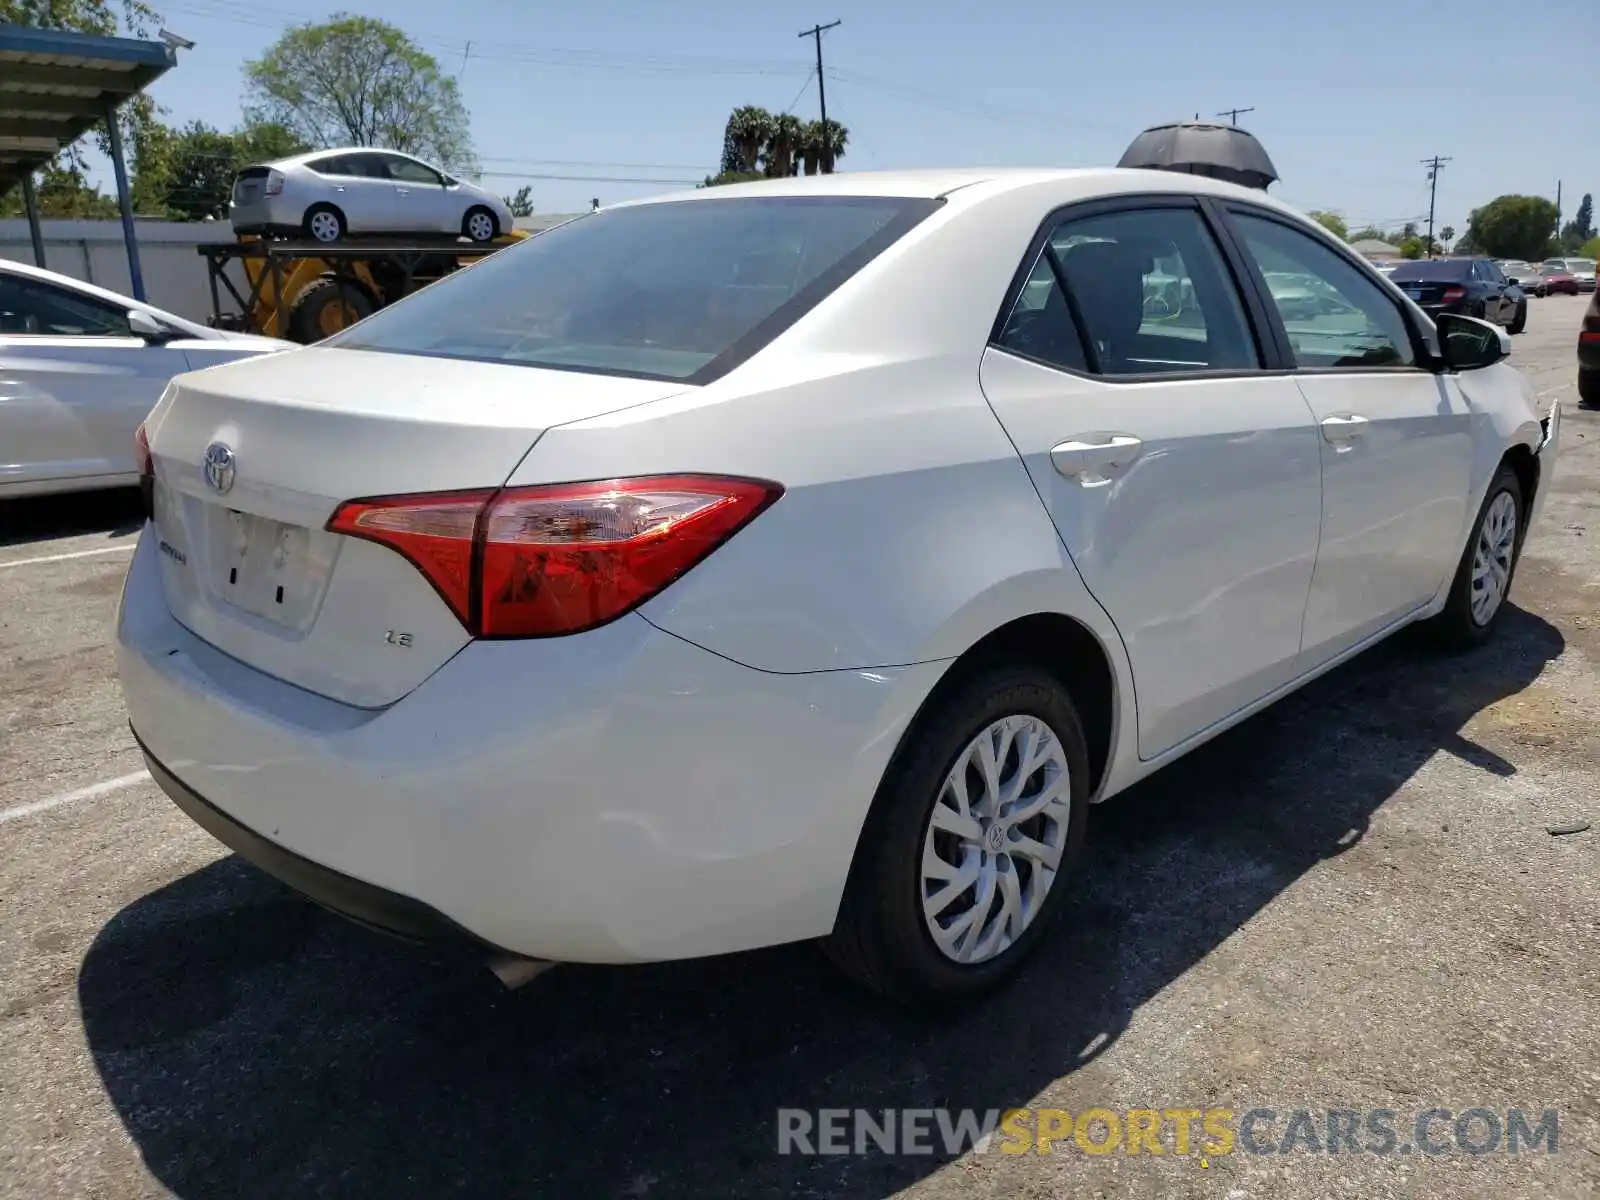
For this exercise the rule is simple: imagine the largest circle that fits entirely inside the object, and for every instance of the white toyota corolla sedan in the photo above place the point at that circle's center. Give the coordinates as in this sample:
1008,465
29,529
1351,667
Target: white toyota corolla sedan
800,559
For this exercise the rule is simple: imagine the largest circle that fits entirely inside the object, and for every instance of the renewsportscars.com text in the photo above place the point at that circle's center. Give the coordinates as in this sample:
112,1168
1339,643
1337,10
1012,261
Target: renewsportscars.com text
1159,1131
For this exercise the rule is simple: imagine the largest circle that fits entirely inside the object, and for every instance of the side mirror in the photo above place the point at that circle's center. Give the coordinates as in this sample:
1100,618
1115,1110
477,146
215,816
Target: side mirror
142,325
1468,344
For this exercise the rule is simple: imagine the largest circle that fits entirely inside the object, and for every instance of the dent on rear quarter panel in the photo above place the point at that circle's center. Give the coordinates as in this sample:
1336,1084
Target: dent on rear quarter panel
908,528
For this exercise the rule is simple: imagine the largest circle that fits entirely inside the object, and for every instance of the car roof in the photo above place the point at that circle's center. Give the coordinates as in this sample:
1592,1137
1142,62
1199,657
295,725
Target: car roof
1080,183
295,160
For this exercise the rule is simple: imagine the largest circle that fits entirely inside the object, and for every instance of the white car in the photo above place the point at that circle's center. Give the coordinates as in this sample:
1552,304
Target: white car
798,559
80,367
327,194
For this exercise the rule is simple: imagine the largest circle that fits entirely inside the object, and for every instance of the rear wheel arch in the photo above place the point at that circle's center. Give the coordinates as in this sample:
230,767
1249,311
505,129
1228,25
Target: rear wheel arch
1064,647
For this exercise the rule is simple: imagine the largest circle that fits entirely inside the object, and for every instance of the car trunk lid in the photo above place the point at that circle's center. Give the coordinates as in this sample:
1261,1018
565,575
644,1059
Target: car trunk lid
252,458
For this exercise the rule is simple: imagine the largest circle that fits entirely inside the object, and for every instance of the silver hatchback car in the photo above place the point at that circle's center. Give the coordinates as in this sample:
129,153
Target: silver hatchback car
328,194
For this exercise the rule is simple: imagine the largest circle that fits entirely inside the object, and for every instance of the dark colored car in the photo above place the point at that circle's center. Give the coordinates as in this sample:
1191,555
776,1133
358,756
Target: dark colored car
1473,287
1562,282
1589,356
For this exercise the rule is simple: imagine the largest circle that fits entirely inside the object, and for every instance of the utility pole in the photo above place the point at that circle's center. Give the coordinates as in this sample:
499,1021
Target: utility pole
1233,113
1558,208
815,33
1433,164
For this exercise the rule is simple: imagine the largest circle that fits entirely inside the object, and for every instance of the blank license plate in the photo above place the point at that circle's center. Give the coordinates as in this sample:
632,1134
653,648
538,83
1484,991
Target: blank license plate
265,567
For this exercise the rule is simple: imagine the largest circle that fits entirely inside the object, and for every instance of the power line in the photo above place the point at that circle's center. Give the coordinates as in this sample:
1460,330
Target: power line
804,87
1233,113
1433,164
815,33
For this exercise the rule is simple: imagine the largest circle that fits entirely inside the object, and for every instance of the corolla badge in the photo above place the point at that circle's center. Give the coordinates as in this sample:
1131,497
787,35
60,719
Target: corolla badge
220,465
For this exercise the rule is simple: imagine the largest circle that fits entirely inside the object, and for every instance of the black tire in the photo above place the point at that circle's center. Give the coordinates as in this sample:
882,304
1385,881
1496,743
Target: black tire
880,938
326,306
315,230
1519,320
1588,388
1455,628
467,223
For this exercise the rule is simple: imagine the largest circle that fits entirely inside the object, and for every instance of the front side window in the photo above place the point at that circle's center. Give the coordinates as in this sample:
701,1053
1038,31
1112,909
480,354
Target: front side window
404,170
28,307
681,290
1340,318
1152,291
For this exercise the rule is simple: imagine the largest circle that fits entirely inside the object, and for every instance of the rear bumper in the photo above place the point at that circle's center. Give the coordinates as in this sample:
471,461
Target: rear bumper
374,907
616,796
272,214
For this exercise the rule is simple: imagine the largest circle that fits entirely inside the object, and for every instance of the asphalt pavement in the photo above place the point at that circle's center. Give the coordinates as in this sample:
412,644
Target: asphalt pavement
1351,902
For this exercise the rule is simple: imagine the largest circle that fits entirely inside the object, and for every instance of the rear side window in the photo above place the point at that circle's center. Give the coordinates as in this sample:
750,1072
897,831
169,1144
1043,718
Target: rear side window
1150,288
1446,270
1335,316
677,290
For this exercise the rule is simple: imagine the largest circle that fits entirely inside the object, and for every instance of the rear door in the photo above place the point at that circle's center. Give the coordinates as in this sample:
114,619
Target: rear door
74,383
1182,476
362,188
1396,440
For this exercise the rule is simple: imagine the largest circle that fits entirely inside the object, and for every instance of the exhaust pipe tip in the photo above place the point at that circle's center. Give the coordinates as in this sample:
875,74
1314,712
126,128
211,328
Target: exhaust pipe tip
513,971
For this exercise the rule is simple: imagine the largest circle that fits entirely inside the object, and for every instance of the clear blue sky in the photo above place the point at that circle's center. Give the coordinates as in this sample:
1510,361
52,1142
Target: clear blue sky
1348,97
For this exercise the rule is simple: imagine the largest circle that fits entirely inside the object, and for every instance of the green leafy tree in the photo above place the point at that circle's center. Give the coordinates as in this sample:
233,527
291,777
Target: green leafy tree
1513,227
1591,248
1413,247
1581,228
359,81
1332,222
266,141
188,174
1447,234
521,202
63,193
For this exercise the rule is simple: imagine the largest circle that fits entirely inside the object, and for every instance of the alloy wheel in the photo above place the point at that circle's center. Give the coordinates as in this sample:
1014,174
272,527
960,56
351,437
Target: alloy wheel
995,839
480,227
325,226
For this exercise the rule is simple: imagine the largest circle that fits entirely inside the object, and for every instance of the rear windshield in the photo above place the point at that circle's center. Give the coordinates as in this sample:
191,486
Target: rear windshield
1434,269
679,290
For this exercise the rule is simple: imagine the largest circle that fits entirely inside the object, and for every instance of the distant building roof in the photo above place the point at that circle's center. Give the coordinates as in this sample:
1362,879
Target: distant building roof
1372,247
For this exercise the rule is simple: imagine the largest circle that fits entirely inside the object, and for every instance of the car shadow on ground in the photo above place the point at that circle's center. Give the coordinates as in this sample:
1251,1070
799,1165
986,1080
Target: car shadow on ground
255,1046
115,512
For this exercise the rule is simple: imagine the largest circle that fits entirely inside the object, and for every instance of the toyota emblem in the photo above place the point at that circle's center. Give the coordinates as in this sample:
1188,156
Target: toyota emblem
220,465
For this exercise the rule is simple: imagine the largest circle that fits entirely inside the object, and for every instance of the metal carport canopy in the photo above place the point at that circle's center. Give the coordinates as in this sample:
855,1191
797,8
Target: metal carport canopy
55,86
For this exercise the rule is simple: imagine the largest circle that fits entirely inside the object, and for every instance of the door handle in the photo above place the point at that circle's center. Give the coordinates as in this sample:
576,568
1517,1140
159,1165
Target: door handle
403,191
1342,429
1078,458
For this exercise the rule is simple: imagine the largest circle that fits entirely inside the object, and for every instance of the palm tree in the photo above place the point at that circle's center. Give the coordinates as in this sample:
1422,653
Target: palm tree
838,137
785,139
748,131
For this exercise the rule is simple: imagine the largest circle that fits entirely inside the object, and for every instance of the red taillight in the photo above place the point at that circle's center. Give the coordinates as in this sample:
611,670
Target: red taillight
561,558
274,183
147,471
1452,294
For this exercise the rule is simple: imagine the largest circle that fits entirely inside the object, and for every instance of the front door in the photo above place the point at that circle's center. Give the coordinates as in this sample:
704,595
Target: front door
1396,438
1184,481
422,204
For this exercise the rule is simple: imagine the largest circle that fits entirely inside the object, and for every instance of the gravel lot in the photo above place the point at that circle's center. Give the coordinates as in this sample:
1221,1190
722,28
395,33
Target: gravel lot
1350,902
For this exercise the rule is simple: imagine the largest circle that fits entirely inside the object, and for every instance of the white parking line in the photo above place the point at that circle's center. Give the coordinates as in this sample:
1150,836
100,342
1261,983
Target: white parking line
50,558
93,791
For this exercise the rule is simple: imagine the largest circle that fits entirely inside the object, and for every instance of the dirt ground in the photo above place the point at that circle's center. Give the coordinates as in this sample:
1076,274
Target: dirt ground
1351,902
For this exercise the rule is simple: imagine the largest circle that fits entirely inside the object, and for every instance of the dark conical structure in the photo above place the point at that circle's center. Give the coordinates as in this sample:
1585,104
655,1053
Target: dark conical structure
1202,148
